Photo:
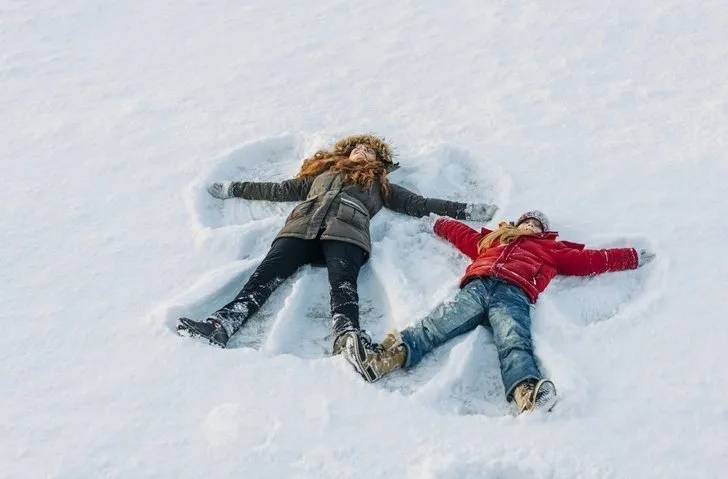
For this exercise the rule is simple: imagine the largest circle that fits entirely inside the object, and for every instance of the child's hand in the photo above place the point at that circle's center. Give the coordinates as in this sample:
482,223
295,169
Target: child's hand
480,212
644,256
221,189
428,222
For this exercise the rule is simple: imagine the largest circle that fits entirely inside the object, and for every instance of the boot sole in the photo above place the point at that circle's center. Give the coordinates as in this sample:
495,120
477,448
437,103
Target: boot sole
355,354
550,400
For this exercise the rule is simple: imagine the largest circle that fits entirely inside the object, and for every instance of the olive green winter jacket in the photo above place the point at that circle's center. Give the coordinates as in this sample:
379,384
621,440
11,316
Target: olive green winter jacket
336,211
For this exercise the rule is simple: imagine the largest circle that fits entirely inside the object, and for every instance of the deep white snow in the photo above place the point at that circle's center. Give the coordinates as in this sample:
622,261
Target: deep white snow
611,117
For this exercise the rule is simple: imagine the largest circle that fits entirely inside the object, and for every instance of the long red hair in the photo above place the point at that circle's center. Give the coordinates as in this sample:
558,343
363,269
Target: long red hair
359,172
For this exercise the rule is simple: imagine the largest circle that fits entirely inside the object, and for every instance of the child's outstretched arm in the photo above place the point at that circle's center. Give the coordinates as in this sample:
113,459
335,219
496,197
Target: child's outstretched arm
589,262
295,189
459,234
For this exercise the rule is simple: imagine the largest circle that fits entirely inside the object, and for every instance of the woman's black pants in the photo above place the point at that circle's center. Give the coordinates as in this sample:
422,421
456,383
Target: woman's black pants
343,261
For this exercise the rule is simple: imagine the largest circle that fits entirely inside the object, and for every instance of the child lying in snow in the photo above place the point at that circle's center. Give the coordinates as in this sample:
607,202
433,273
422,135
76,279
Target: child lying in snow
510,267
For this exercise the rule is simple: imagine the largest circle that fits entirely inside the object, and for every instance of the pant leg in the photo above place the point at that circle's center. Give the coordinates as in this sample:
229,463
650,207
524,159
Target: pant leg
343,261
285,256
510,317
449,319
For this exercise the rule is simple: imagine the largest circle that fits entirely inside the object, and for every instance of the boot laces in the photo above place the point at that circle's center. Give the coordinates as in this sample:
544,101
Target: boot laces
525,395
366,341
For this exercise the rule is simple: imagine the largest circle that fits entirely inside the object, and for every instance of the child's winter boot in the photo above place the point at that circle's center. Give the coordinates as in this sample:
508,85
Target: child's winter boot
394,354
531,395
387,360
209,329
392,339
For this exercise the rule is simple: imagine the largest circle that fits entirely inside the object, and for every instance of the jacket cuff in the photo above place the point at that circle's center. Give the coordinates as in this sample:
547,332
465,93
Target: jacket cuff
438,226
236,189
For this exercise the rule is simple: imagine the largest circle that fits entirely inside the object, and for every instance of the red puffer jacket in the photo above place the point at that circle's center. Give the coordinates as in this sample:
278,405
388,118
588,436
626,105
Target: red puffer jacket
531,262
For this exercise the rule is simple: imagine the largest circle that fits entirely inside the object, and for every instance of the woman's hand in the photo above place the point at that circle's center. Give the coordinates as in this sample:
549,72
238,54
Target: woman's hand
480,212
221,189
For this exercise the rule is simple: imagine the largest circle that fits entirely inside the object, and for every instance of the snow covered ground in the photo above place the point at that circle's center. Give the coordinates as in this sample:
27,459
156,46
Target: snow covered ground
612,118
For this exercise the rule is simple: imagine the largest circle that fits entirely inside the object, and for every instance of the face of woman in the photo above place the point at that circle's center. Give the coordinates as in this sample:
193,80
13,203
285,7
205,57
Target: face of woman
532,225
363,152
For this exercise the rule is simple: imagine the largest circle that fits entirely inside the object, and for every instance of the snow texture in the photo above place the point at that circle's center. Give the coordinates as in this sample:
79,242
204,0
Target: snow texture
611,118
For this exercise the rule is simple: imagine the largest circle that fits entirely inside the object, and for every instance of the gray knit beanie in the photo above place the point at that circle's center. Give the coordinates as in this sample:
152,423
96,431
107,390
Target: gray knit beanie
536,215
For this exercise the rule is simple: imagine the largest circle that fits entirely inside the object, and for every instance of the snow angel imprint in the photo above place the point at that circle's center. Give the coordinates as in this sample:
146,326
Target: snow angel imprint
339,191
510,267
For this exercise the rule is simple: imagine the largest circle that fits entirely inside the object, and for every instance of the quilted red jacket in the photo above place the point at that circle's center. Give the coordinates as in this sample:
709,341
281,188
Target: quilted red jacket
531,262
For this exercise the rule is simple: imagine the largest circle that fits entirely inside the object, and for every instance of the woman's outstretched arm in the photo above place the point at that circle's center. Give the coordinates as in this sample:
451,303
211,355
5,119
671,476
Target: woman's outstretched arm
295,189
402,200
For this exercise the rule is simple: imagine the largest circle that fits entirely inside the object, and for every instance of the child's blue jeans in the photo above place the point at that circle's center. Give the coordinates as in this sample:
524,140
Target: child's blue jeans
491,302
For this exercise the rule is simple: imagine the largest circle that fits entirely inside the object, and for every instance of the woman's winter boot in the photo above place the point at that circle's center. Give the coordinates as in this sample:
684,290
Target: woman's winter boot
209,329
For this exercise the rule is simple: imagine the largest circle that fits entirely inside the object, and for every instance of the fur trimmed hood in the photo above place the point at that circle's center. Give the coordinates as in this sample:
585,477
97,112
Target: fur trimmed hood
384,151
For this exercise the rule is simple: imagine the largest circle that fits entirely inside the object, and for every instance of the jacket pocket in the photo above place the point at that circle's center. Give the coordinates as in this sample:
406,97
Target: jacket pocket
301,209
536,275
544,276
353,214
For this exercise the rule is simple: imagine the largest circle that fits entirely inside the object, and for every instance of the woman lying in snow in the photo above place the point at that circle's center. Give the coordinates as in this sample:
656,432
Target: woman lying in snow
510,267
343,189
